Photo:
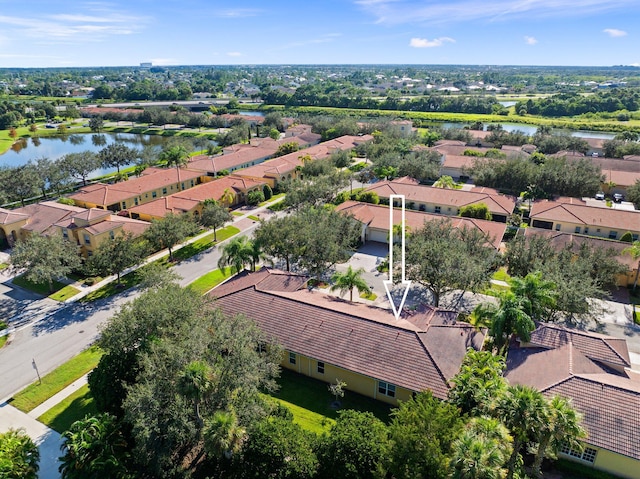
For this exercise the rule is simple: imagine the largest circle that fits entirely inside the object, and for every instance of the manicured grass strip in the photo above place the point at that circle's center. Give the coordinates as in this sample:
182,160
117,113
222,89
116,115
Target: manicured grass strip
227,232
274,197
3,266
71,409
3,340
210,280
501,275
58,379
313,395
204,243
40,288
237,213
309,420
253,217
127,281
65,293
369,296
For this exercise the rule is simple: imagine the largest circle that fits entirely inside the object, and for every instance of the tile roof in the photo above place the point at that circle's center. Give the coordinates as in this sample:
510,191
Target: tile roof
576,211
42,216
598,347
162,206
497,204
377,216
107,194
216,188
353,336
10,216
232,160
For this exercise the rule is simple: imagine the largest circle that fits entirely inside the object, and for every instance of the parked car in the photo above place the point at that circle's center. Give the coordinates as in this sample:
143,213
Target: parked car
600,196
617,197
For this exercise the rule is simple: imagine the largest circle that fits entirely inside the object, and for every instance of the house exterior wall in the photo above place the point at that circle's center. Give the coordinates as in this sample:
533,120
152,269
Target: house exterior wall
612,462
358,383
579,228
14,232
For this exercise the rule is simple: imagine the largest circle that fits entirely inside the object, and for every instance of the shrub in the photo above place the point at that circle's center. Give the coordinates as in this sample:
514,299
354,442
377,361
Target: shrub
255,197
267,191
369,197
480,211
66,201
627,237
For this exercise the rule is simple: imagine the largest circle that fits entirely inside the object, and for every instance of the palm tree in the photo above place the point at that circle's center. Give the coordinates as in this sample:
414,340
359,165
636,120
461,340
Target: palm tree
176,155
445,181
196,380
348,280
634,252
223,435
561,426
538,295
227,197
507,318
521,409
254,249
237,254
482,450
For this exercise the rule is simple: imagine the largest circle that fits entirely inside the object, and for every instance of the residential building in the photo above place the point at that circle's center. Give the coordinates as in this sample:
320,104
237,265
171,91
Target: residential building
38,218
91,227
445,201
375,222
592,371
325,337
152,184
572,215
561,240
192,200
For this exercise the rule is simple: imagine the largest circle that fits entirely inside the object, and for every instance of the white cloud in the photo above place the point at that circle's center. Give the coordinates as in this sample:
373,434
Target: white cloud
234,54
450,11
164,61
238,13
530,40
614,32
424,43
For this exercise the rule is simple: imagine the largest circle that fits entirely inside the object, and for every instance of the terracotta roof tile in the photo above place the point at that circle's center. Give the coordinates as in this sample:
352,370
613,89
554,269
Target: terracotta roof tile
577,211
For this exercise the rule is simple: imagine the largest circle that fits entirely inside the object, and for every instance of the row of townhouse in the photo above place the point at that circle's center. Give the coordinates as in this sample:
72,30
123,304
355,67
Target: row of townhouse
443,200
85,227
325,337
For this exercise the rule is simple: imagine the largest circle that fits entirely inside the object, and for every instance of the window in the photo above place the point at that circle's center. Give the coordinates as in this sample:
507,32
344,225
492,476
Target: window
112,235
587,455
320,367
613,234
586,230
154,194
634,237
387,389
558,226
164,191
87,239
577,230
292,358
65,233
192,183
182,184
135,201
437,209
124,205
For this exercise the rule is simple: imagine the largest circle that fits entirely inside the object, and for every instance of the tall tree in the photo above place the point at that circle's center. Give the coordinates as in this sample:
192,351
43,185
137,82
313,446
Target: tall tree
521,409
117,155
169,231
112,256
175,155
538,295
422,432
223,436
80,165
348,280
45,258
237,254
214,215
19,456
560,426
355,448
634,252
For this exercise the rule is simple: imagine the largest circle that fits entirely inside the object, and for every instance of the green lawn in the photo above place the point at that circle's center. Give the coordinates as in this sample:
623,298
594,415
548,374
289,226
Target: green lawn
501,275
71,409
127,281
274,197
3,266
3,340
65,293
40,288
210,280
312,401
204,243
54,382
253,217
369,296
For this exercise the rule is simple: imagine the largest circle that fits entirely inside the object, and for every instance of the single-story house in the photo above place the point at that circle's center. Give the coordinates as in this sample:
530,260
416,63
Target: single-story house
375,222
325,337
592,370
443,200
573,215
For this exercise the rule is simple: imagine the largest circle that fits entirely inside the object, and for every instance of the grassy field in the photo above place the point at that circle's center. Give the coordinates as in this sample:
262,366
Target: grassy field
71,409
210,280
65,293
60,292
54,382
312,401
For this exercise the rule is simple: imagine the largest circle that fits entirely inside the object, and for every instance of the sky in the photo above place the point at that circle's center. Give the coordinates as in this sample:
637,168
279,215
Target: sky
72,33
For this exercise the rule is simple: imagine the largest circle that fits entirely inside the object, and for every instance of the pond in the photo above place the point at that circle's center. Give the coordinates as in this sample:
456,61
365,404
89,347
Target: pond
55,147
531,130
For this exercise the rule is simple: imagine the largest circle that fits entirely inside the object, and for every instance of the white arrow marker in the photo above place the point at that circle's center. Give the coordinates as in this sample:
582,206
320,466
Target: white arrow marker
388,284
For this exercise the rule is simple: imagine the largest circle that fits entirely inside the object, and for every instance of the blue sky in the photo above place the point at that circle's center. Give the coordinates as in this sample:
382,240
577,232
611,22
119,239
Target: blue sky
46,33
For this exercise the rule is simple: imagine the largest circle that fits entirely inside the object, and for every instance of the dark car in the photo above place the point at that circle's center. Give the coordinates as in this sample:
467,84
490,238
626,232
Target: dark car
617,197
